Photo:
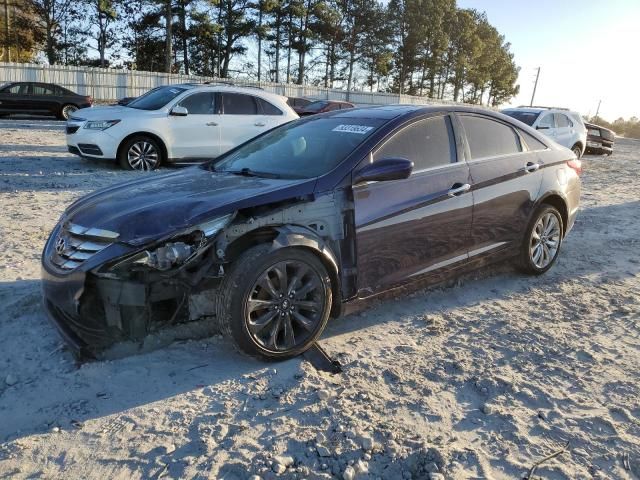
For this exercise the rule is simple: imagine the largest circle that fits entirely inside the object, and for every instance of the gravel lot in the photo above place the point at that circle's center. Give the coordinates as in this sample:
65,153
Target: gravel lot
480,380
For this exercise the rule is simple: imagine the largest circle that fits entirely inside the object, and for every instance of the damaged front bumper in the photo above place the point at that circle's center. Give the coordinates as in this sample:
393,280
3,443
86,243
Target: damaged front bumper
94,307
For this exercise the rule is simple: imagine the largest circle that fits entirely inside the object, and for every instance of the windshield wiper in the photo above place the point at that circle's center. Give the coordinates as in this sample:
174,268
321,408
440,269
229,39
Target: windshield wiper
247,172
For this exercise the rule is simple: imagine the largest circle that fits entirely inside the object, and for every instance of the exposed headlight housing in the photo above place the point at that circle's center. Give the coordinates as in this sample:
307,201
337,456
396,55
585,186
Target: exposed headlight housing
180,248
100,124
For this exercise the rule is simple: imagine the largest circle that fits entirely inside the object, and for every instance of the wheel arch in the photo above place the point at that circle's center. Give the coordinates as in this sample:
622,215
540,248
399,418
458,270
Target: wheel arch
157,138
557,201
295,236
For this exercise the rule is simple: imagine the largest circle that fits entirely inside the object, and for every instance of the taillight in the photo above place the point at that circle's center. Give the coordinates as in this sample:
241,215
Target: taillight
575,165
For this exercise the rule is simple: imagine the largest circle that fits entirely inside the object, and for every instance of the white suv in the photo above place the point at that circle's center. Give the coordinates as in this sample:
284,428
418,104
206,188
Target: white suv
178,123
559,124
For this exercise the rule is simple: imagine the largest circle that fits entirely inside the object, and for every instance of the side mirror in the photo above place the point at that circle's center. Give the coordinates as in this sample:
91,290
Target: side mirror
384,170
179,111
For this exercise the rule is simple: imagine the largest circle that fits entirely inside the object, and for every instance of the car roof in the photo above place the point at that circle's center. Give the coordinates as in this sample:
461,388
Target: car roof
220,87
388,112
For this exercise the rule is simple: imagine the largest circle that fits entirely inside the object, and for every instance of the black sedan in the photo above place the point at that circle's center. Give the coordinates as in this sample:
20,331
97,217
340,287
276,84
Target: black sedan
40,98
292,227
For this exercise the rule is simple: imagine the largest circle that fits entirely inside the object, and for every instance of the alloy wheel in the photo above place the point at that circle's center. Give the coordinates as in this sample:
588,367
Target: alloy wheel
577,151
67,110
285,306
545,240
142,155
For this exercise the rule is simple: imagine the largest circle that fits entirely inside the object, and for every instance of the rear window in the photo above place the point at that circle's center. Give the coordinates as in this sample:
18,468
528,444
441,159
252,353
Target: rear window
316,106
267,108
427,143
301,149
488,138
525,117
156,99
532,142
562,121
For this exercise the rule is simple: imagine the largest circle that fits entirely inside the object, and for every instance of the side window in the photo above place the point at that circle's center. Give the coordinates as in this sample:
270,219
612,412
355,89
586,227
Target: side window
239,104
41,90
488,138
199,103
532,142
333,106
18,89
267,108
562,121
427,143
547,121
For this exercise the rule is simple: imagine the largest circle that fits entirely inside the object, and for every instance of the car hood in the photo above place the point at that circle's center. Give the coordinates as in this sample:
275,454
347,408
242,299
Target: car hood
157,206
111,112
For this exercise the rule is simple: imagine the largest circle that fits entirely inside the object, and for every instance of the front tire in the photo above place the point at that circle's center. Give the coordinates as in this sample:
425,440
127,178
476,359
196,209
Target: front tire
274,304
66,111
542,241
140,153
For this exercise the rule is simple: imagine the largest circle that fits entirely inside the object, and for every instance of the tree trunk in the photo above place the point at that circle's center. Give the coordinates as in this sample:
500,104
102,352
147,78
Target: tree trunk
277,47
168,41
326,67
185,43
289,48
260,8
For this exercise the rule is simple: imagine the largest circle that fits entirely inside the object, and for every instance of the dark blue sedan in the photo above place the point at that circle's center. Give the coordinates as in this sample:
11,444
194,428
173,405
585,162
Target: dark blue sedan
288,229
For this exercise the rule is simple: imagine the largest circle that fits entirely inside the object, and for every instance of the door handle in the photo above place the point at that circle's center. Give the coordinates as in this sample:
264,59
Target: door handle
211,124
259,124
531,167
458,188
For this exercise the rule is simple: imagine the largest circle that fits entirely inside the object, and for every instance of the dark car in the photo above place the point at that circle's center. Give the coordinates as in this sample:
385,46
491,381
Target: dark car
41,98
600,140
298,103
295,225
322,106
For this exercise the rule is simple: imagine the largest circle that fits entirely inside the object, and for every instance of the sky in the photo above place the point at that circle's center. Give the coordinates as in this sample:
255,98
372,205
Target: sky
587,51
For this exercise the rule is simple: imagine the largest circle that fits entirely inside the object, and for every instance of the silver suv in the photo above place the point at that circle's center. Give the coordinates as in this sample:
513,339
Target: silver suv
559,124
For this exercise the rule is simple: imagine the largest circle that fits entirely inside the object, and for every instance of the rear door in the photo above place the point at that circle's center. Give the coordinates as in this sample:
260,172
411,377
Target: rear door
416,226
240,120
506,181
198,134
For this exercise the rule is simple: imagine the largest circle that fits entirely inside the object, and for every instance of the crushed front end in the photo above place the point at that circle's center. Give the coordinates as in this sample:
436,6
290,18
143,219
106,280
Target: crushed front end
99,290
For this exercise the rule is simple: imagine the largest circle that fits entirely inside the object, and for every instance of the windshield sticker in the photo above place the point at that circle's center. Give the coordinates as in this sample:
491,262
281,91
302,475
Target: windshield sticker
359,129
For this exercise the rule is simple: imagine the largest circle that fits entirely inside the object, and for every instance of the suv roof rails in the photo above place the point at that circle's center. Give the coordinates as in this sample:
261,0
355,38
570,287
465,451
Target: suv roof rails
541,106
224,83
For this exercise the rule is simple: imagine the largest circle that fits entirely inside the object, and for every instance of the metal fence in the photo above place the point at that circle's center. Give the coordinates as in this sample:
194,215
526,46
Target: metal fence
108,84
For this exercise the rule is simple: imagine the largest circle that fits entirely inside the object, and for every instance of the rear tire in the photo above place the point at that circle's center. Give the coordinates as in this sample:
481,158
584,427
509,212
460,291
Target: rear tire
141,153
274,304
577,150
542,241
66,111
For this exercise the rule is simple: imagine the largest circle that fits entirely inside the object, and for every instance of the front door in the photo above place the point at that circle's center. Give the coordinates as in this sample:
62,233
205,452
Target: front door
416,226
196,136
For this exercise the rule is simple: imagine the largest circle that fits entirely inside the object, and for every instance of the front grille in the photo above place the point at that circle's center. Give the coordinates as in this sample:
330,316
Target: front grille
90,149
71,129
73,150
76,244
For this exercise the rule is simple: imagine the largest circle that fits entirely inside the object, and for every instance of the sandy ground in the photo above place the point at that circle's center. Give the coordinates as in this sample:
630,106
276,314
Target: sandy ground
481,380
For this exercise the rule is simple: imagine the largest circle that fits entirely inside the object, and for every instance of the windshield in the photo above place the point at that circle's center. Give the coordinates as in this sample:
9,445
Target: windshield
300,149
524,117
156,98
315,106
